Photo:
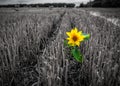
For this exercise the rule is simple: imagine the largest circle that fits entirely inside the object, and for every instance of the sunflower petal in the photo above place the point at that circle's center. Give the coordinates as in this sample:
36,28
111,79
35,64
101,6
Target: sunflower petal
70,42
81,38
80,32
73,44
68,38
68,33
78,43
72,31
76,30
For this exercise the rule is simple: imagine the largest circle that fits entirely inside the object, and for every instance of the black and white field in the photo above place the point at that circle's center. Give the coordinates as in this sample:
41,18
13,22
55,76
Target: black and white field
32,52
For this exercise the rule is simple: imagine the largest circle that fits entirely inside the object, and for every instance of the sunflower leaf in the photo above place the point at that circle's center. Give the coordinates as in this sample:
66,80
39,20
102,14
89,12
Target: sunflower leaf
87,36
77,55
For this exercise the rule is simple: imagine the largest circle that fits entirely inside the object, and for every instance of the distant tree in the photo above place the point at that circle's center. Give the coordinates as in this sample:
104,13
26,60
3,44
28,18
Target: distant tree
115,3
81,5
70,5
106,3
97,3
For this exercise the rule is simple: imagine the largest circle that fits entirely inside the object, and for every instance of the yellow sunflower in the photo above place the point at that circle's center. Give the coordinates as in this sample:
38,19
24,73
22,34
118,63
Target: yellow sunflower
75,37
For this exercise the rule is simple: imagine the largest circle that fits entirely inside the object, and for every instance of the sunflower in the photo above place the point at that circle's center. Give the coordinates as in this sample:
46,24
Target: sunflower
75,37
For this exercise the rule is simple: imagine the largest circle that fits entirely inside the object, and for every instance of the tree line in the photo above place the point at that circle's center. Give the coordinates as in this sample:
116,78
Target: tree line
41,5
102,3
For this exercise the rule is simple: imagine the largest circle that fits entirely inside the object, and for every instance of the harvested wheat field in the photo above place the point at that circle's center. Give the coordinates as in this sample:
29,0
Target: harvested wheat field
32,51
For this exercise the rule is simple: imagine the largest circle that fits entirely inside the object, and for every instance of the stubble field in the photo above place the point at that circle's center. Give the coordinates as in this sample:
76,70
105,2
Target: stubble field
32,51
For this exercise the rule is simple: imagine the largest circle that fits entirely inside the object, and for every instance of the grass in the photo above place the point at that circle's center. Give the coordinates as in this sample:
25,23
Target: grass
32,51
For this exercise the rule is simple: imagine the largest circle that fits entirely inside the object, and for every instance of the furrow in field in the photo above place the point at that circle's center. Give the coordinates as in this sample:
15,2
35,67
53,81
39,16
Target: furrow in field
54,61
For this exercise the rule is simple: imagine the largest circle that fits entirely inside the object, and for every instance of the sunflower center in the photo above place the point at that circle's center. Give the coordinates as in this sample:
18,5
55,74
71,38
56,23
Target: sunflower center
74,38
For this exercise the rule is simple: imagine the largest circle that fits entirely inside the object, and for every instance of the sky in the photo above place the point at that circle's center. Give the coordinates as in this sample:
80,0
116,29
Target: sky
40,1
